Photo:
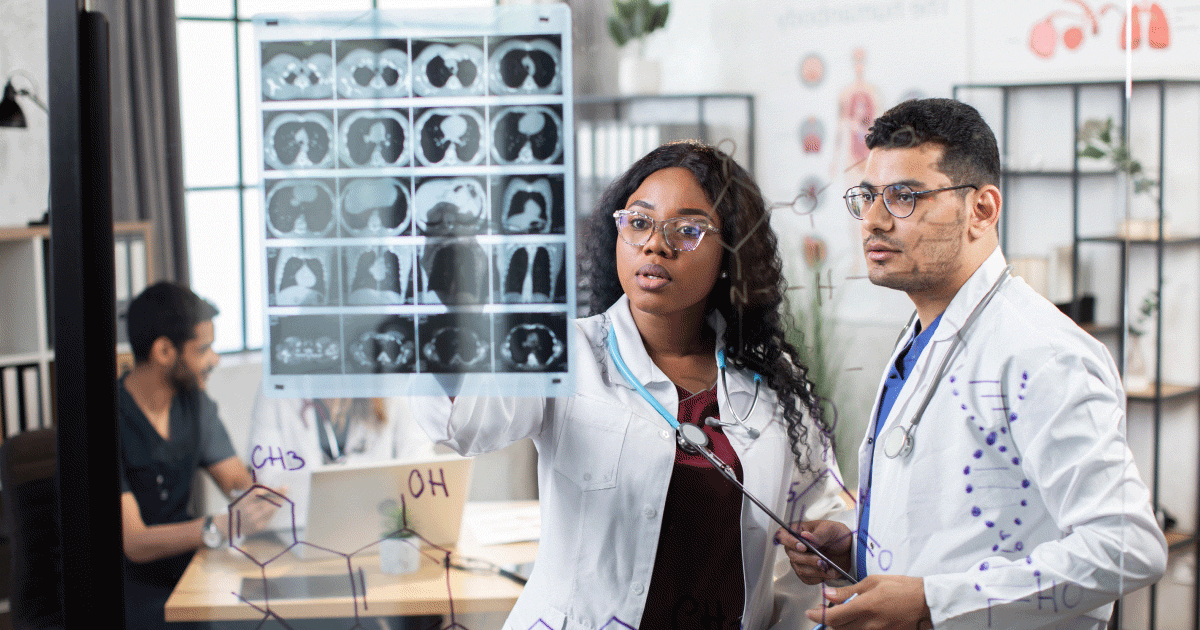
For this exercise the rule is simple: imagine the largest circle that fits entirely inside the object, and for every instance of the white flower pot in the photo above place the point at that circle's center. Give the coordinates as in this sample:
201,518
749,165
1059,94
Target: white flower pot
637,75
399,556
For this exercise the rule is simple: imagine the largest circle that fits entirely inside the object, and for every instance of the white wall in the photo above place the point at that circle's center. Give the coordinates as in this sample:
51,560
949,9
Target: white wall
24,153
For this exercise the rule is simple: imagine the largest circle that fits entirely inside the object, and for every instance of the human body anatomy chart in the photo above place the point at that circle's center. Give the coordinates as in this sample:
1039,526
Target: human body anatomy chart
415,170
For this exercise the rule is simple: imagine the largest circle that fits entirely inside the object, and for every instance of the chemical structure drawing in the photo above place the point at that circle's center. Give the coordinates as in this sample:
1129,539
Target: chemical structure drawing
356,578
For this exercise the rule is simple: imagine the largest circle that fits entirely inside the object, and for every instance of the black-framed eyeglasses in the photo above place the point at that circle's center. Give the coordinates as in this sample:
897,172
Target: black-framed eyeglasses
899,199
683,234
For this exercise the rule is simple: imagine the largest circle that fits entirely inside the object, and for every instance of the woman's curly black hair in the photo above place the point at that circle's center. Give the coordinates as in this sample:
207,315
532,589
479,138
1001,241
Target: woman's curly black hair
749,295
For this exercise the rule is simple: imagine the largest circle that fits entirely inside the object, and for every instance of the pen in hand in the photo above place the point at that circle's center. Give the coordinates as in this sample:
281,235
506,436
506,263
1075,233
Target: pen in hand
822,626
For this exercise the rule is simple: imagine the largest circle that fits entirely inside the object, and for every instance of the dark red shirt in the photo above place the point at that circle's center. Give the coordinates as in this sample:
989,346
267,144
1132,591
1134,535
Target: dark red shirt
697,582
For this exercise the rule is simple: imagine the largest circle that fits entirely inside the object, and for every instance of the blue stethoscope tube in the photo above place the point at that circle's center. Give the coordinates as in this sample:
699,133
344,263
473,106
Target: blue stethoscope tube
702,448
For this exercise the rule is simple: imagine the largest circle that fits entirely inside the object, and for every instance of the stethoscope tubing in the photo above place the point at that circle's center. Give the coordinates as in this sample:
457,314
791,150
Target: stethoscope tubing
615,352
959,336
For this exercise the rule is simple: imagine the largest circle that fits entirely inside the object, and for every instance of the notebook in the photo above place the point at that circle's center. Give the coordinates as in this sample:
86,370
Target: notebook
349,505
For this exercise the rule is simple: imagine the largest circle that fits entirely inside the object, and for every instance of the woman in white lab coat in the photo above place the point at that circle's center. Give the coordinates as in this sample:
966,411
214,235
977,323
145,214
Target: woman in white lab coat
682,267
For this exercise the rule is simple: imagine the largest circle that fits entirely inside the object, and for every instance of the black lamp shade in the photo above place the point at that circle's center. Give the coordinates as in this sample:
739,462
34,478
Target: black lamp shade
10,112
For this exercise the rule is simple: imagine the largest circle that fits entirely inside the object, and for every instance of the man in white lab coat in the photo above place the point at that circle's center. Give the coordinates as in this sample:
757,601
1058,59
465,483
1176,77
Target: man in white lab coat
996,489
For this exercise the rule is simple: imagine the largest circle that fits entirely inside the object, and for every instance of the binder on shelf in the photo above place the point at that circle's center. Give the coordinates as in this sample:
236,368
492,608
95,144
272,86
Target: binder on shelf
31,399
121,265
137,266
10,385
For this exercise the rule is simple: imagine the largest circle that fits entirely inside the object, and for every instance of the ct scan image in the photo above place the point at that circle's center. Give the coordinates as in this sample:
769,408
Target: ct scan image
375,138
531,273
449,206
526,65
297,70
303,276
453,273
305,344
380,344
527,134
299,208
528,204
450,136
451,67
373,68
298,140
453,343
379,275
418,200
376,206
531,342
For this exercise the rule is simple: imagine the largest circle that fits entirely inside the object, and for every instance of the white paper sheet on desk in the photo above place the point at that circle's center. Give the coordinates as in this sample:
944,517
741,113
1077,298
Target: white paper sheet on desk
503,524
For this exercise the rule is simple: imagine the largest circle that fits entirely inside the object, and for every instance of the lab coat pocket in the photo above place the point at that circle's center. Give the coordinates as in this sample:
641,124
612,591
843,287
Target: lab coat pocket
589,445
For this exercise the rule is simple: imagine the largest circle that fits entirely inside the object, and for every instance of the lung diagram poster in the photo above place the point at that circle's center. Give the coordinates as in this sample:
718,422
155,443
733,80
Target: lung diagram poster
416,167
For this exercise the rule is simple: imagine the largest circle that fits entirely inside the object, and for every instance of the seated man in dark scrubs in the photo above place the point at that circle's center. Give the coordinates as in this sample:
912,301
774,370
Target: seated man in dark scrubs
170,428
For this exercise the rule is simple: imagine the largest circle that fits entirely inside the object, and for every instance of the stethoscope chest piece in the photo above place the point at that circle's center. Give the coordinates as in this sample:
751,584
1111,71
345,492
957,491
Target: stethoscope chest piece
897,442
691,436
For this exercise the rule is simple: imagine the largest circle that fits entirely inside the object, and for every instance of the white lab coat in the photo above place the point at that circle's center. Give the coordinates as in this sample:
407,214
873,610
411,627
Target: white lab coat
604,465
283,428
1020,503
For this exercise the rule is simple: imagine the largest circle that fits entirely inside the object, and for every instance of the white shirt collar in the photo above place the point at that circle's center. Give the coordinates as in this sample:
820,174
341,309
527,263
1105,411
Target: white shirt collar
969,295
633,350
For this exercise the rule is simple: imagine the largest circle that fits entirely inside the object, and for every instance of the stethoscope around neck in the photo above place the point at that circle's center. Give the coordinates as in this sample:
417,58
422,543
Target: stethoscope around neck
687,436
898,441
693,439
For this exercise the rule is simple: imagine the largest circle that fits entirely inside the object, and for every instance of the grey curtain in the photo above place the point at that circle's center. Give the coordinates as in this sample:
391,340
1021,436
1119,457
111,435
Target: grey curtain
147,154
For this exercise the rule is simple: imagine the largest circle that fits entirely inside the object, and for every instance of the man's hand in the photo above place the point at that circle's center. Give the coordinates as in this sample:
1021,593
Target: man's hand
830,538
251,512
883,602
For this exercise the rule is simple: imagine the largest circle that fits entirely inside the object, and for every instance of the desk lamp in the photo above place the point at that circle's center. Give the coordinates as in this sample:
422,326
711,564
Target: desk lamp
10,112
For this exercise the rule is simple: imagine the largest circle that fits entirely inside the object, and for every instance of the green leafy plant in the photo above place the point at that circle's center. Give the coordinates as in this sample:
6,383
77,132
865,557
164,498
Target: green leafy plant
396,523
1101,139
810,332
635,19
1145,313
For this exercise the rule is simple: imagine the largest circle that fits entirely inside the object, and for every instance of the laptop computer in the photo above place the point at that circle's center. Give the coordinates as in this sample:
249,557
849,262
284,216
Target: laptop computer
350,506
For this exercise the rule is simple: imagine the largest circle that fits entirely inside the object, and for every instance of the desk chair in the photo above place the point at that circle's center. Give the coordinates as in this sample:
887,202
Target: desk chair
30,489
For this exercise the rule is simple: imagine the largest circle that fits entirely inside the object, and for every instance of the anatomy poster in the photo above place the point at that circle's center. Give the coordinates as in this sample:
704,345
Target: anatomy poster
1072,40
415,168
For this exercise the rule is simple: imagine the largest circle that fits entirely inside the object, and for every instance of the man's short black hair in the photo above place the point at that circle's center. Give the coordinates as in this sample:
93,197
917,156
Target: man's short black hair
165,309
969,153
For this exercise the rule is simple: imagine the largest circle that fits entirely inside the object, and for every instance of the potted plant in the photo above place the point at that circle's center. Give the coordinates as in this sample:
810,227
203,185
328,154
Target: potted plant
629,24
399,551
1137,372
1102,140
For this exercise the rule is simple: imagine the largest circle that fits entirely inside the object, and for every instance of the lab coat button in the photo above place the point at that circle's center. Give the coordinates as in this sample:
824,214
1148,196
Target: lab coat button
650,512
587,476
871,545
636,588
664,434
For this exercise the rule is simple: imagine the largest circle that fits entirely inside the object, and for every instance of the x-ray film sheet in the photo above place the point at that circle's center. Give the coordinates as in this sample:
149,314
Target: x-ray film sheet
416,167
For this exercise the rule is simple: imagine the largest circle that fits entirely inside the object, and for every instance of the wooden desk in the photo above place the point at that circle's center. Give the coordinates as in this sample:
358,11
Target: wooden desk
209,589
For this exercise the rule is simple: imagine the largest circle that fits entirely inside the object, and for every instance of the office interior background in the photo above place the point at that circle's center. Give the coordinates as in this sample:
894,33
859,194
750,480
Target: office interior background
788,87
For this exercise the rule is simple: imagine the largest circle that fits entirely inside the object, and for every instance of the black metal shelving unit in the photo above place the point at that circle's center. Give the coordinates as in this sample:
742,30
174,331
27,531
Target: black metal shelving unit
1146,404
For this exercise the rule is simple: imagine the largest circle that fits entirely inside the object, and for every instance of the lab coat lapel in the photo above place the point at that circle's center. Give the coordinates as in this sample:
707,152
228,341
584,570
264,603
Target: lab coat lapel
867,448
921,380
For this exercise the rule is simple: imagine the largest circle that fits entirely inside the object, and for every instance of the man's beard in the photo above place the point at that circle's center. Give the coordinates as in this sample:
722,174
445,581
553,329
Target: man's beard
183,379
